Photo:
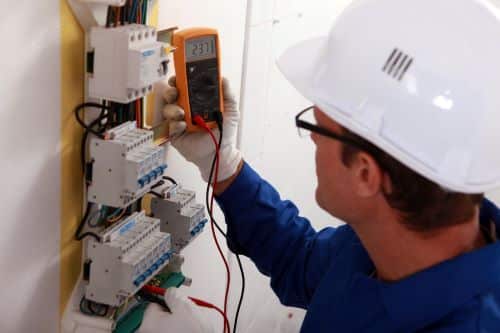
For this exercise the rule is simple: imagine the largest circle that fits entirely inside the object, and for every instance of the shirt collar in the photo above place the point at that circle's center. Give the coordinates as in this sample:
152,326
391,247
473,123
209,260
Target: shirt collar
429,295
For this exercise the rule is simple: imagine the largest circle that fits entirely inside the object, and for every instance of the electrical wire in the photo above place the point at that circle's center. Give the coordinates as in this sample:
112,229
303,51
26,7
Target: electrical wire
92,217
170,179
117,16
144,11
242,294
138,113
199,121
158,195
207,305
240,265
78,234
116,218
207,195
102,116
87,307
82,123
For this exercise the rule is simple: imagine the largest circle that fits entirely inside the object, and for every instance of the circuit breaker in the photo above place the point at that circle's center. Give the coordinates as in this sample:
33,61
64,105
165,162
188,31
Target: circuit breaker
125,165
179,214
128,255
125,62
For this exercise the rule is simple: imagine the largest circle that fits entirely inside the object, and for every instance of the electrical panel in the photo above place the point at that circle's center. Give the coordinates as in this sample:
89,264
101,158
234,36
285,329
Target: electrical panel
179,214
125,165
125,62
129,254
125,248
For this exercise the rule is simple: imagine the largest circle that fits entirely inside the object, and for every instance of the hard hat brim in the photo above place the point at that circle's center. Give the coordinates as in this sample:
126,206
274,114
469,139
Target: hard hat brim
298,64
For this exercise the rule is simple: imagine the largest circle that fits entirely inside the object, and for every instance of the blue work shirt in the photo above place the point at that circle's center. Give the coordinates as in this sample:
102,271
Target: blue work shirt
328,272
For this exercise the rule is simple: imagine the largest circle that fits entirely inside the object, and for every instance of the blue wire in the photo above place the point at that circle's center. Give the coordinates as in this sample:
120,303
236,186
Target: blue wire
133,11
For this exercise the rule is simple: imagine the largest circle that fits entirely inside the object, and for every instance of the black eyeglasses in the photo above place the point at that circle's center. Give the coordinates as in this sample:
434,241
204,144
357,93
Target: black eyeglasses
310,126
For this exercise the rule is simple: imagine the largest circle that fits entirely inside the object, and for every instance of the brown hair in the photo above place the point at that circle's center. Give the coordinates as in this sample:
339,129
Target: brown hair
424,205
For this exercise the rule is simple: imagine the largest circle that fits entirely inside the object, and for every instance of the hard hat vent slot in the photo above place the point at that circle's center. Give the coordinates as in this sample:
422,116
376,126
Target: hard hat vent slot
397,64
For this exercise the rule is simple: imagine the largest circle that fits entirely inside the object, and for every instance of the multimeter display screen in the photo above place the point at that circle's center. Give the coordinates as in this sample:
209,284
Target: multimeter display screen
200,48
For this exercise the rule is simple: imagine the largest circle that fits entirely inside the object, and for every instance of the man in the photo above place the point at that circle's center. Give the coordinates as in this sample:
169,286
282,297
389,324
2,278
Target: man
406,125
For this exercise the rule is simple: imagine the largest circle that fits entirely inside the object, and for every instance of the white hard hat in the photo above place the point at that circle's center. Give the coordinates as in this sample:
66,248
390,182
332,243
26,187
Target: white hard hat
420,79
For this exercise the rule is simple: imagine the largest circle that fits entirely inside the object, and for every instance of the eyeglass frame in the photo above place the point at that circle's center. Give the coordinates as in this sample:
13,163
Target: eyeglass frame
330,134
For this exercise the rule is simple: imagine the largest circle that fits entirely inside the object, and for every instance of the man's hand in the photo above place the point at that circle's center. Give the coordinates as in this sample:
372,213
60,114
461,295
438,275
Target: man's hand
198,148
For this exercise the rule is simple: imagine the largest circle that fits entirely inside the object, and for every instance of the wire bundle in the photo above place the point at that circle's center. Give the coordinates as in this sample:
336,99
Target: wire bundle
134,11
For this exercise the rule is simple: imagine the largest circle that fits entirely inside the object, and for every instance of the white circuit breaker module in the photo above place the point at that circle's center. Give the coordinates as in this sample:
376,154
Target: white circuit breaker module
126,62
179,214
125,165
127,257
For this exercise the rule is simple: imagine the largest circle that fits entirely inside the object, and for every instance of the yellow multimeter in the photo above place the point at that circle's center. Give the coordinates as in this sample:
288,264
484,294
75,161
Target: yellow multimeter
199,79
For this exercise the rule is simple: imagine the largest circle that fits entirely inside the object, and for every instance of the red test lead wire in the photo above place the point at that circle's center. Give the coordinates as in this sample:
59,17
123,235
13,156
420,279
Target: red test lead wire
207,305
200,122
154,290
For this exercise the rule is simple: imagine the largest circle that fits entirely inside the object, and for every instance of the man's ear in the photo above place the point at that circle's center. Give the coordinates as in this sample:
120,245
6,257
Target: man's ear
368,176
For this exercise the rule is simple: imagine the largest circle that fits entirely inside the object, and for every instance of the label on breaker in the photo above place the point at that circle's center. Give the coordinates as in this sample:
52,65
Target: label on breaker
149,65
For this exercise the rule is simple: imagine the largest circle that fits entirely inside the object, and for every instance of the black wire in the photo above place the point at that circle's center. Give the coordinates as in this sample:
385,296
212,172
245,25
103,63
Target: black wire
207,193
78,235
86,307
139,204
160,183
242,294
82,123
96,121
156,194
109,17
170,179
89,129
238,259
102,309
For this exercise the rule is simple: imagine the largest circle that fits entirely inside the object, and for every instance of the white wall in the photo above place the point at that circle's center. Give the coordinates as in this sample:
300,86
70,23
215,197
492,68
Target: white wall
269,139
30,172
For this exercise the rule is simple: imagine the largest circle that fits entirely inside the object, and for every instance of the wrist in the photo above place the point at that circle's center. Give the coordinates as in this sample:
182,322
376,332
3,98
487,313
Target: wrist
229,160
221,186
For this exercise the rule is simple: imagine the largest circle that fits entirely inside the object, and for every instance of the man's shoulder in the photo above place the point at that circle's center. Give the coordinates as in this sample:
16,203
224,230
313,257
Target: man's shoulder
344,249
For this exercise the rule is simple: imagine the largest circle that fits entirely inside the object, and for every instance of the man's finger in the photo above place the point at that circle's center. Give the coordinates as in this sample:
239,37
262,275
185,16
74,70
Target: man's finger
172,81
173,112
170,95
176,129
226,89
